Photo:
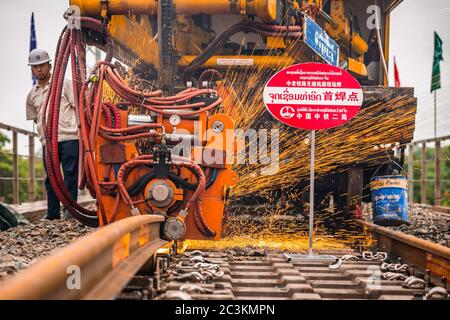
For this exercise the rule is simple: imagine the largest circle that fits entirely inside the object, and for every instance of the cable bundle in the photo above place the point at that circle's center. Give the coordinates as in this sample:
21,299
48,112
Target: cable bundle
89,105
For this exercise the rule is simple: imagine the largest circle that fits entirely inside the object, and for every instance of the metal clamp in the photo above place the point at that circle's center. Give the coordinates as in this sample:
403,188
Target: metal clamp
394,267
370,256
104,4
177,295
194,288
414,282
394,276
350,257
440,292
336,265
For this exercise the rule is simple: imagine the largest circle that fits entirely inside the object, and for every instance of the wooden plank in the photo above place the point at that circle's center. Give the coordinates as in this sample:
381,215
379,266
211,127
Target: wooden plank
431,140
390,5
15,170
423,183
411,173
44,177
34,211
437,174
355,189
18,130
31,170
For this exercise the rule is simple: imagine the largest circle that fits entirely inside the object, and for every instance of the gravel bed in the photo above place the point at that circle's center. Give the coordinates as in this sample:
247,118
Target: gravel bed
424,223
24,245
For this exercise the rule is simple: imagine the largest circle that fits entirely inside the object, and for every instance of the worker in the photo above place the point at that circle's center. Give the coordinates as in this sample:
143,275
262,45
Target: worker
68,142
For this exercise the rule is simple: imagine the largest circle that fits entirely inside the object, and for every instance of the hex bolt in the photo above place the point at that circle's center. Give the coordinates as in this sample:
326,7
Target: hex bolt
145,295
444,282
418,296
428,276
412,270
174,248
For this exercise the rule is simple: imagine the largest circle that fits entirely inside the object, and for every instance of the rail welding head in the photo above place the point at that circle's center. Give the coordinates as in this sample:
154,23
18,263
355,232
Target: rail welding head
174,229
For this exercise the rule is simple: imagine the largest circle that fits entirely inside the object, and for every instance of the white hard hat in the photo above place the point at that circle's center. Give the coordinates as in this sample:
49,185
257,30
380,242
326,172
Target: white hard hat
37,57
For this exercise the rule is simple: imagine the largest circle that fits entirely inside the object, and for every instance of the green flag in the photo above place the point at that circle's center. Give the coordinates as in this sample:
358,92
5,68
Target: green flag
438,57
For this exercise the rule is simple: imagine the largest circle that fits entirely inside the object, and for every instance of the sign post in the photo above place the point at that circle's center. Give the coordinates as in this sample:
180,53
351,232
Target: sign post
311,192
313,96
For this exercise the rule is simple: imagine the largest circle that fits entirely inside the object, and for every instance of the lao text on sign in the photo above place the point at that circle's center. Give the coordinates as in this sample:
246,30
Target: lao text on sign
313,96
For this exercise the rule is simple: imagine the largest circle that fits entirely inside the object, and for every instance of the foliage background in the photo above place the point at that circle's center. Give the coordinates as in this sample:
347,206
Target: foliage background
445,174
6,172
6,188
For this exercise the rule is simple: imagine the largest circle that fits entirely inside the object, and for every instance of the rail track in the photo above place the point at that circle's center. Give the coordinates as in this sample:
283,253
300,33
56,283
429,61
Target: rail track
129,260
277,277
97,266
426,257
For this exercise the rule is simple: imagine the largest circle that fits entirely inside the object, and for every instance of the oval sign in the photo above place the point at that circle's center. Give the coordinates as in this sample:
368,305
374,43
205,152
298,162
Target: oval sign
313,96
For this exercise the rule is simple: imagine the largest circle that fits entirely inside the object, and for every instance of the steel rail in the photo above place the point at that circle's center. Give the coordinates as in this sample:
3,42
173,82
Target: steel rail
97,266
422,254
441,209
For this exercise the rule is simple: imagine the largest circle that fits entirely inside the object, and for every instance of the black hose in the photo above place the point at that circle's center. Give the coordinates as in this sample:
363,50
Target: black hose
212,178
222,39
192,186
139,185
213,73
217,43
180,181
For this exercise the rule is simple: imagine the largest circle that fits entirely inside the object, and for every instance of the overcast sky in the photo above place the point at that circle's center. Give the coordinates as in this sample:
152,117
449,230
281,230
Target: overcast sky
412,26
412,42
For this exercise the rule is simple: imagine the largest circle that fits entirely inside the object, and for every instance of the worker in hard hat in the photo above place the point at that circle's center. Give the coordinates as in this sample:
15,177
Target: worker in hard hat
68,142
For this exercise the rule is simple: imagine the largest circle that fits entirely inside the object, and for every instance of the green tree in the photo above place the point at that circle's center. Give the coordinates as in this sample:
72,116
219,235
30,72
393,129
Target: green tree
445,174
6,188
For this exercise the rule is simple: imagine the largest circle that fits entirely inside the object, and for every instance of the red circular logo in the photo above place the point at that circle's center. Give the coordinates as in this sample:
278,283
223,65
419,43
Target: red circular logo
313,96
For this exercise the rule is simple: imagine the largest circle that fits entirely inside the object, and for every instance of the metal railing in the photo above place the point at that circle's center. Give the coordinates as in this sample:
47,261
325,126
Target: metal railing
15,179
423,167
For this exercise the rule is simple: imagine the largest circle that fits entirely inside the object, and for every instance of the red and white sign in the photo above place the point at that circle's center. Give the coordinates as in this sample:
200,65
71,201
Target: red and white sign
313,96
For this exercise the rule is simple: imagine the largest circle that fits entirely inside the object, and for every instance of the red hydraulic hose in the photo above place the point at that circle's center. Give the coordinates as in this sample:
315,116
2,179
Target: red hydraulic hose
125,170
54,171
115,112
108,117
193,203
89,107
52,152
89,158
199,219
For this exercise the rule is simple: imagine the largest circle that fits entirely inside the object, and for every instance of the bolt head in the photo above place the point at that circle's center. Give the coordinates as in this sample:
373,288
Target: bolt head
160,193
174,229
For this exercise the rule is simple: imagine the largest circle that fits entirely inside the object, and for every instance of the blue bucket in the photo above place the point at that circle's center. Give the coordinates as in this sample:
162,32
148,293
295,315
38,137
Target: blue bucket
390,200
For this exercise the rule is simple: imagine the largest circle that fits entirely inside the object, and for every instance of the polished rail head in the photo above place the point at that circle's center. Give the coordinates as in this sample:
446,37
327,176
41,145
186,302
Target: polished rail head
75,271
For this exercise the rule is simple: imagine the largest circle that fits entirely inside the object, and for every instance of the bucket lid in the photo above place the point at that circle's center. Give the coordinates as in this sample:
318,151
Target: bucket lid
389,177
